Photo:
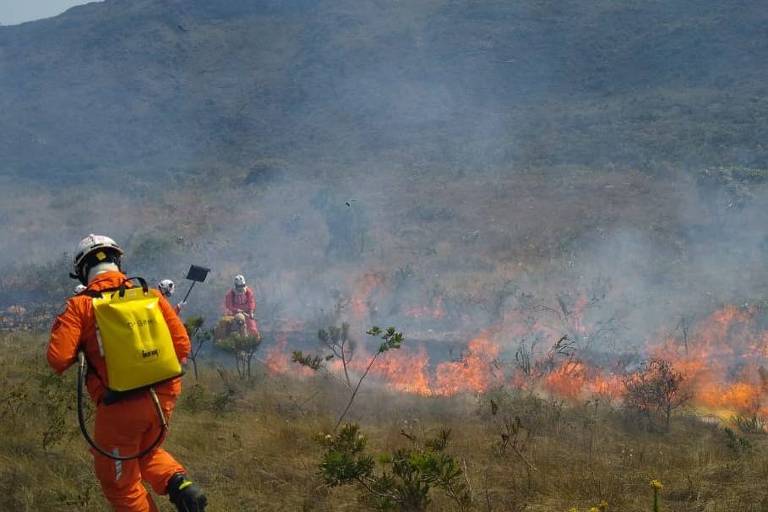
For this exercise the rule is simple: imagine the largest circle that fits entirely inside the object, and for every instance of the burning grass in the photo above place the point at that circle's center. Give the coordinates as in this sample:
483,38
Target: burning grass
719,368
251,444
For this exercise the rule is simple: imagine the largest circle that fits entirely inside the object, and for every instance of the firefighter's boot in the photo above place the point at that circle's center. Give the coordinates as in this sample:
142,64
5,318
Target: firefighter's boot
187,496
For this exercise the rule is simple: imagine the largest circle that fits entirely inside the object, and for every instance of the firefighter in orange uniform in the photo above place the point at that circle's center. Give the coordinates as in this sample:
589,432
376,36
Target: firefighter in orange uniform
168,288
130,424
240,299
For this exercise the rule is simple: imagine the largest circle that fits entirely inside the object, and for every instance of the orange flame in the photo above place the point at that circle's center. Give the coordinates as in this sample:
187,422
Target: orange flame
473,373
405,371
568,380
723,362
277,359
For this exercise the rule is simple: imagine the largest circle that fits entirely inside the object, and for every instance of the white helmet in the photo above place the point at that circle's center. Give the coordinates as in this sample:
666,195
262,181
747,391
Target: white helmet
102,247
166,287
79,288
240,281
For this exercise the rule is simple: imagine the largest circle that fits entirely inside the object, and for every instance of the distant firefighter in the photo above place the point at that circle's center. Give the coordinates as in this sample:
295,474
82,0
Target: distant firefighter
167,288
240,300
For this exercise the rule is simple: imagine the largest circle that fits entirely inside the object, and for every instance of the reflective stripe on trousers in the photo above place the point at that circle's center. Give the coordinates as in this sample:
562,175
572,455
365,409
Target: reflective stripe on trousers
118,465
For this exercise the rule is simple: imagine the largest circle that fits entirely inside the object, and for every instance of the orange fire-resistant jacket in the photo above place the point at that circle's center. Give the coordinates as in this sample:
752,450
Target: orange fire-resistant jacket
76,327
234,302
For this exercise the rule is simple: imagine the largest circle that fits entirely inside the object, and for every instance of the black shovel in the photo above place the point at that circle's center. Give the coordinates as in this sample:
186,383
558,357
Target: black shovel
196,274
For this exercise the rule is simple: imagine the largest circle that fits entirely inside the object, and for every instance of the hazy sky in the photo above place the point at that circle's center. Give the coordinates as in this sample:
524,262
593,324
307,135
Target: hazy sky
19,11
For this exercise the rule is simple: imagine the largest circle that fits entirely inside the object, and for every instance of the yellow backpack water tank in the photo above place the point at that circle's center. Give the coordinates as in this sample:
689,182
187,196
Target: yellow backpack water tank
134,339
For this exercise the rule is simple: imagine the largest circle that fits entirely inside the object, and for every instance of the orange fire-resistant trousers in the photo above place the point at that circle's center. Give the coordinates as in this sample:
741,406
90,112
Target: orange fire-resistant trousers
126,428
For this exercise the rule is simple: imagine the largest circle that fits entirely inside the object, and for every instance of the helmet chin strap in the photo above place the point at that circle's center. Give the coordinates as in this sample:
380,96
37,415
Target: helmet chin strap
100,269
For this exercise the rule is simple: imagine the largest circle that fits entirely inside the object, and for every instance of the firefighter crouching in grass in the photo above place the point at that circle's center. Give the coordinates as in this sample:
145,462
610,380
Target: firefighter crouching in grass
131,423
240,301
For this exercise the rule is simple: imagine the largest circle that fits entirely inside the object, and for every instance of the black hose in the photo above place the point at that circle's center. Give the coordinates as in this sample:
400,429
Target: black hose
81,373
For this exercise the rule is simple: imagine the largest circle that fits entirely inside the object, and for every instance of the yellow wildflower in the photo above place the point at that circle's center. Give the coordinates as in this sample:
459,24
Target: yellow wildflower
656,485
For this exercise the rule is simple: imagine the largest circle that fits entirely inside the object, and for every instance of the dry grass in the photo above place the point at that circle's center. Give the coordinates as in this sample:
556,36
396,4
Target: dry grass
250,444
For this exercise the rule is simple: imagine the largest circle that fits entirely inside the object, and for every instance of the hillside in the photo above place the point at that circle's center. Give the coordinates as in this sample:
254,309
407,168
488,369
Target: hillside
160,88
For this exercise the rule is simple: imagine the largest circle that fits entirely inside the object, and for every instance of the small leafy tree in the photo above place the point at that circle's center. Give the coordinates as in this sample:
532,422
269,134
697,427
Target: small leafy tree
341,347
244,349
198,337
655,392
312,361
406,477
391,340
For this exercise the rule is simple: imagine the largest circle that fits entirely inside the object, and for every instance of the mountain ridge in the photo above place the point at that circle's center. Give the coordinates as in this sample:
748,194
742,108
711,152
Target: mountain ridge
115,87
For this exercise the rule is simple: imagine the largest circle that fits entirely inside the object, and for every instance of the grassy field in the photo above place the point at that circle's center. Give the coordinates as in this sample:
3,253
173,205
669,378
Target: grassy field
252,444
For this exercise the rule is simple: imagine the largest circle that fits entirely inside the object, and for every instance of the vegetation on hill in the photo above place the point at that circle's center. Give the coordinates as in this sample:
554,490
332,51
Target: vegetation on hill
163,89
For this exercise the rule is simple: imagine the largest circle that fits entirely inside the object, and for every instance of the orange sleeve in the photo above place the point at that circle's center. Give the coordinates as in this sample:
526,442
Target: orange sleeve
65,338
176,326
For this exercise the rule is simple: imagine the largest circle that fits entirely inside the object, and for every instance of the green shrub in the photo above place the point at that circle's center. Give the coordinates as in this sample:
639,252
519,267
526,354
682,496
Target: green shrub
406,477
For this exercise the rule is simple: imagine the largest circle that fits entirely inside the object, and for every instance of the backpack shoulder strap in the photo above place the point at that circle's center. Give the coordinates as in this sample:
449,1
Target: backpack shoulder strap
94,294
141,280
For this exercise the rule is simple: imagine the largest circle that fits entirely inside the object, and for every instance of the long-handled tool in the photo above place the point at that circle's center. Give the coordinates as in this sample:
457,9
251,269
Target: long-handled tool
196,274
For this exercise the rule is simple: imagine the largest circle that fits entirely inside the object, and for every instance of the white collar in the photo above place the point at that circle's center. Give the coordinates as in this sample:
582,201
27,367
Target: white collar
100,269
